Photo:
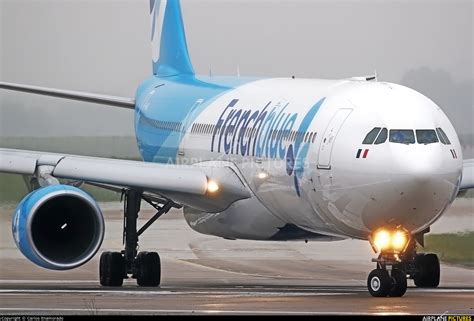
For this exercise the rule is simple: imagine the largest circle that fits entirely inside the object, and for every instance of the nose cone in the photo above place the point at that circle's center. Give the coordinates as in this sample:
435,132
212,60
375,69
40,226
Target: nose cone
423,182
416,164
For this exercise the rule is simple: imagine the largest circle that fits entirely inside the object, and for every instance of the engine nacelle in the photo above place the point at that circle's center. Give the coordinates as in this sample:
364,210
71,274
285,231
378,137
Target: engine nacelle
58,227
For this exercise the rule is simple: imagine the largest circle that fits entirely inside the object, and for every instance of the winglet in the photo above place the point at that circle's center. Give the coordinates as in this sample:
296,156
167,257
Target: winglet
169,49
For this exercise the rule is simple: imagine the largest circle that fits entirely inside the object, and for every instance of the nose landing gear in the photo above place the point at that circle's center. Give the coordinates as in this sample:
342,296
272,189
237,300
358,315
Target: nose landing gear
390,276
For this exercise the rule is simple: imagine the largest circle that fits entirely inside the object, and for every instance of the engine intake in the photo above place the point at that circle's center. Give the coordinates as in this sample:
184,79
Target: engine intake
58,227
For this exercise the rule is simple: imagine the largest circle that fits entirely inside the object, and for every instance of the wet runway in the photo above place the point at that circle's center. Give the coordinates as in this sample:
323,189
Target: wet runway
207,275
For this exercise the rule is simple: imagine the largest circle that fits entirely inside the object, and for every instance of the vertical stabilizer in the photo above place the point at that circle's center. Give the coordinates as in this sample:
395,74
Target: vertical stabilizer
169,50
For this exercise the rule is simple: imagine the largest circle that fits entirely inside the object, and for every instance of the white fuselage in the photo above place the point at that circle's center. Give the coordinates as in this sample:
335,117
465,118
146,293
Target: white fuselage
336,184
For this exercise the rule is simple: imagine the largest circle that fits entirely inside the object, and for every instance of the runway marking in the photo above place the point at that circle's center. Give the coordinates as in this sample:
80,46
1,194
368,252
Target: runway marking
162,311
226,270
10,292
46,281
317,292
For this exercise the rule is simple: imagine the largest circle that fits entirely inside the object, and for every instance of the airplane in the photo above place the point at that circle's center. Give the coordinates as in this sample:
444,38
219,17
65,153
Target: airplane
250,158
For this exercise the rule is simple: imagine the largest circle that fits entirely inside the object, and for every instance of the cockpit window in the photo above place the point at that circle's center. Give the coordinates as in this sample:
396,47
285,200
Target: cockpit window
382,138
443,137
426,136
402,136
369,139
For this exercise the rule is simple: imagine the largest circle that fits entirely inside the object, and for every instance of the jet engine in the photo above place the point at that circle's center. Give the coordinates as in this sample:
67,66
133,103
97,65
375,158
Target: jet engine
58,227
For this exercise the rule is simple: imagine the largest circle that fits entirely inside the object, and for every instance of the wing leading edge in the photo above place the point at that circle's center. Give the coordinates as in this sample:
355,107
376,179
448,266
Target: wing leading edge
467,175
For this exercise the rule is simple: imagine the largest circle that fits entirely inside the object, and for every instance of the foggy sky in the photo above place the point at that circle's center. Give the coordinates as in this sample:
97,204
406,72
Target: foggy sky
104,47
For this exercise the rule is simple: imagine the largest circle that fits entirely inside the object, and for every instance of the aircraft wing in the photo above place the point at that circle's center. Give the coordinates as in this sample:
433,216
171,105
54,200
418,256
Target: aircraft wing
187,185
73,95
467,175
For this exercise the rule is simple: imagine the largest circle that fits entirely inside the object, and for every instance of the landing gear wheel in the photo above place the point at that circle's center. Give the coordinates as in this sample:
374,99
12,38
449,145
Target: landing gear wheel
112,269
379,283
427,270
399,283
148,269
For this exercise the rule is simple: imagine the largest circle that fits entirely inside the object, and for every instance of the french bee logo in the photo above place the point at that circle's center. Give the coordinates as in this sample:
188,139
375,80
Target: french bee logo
262,133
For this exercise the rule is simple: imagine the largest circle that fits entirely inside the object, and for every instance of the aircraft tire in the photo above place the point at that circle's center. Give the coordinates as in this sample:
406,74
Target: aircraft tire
399,283
379,283
111,269
148,269
428,270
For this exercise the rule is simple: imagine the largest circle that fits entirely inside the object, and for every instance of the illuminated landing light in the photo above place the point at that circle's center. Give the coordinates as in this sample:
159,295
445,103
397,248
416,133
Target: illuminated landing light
262,175
382,239
399,240
212,186
63,226
390,240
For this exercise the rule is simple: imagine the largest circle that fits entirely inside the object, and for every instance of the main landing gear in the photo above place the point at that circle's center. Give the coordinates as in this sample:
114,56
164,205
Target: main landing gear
145,267
390,276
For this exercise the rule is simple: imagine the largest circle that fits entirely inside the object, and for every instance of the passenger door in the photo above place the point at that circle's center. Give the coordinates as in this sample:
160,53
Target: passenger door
327,142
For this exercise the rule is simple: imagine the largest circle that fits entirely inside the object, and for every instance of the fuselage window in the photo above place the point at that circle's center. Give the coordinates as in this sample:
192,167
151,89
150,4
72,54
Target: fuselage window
369,139
426,136
443,137
382,138
314,137
402,136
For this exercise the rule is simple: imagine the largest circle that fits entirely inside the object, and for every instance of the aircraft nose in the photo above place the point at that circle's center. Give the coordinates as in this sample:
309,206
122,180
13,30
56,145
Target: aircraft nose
423,184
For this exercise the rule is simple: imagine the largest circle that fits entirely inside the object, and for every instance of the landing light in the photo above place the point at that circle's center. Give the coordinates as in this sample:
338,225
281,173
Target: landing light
382,239
390,240
399,240
262,175
212,186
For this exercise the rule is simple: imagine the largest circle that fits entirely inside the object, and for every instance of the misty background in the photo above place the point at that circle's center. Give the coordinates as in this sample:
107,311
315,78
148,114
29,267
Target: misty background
104,47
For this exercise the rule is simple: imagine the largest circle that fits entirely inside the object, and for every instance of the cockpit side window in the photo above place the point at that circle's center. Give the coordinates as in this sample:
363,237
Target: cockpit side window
369,139
426,136
382,138
402,136
442,136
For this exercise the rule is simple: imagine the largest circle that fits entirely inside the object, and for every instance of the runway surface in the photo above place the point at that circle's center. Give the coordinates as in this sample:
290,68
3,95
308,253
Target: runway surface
208,275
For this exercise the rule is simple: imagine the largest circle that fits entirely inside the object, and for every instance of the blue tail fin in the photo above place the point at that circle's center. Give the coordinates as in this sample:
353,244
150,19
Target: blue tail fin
168,40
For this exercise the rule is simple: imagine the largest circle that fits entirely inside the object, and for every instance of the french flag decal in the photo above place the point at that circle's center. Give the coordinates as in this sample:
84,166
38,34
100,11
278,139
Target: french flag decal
362,152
